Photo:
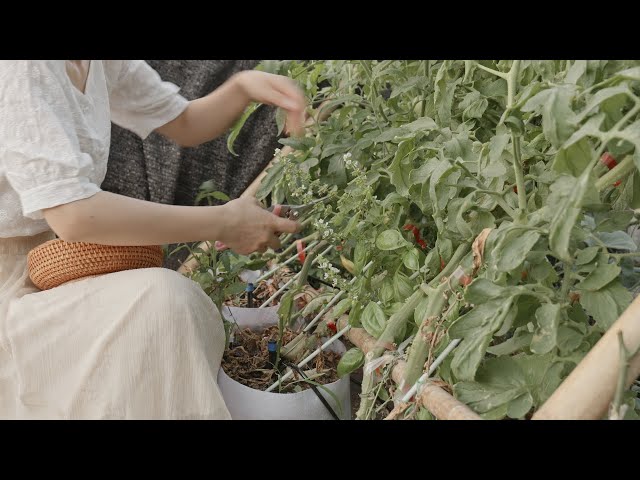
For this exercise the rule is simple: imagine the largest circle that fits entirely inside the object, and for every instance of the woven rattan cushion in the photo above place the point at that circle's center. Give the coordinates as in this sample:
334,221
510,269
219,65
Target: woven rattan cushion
56,261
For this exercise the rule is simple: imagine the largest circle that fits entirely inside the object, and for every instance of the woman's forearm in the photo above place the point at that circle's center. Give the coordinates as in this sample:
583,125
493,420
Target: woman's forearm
111,219
208,117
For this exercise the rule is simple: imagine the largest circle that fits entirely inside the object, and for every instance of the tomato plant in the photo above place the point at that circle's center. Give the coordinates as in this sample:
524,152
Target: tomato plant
491,201
458,147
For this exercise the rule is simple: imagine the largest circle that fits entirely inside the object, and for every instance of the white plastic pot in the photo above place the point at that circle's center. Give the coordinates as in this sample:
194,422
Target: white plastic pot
245,403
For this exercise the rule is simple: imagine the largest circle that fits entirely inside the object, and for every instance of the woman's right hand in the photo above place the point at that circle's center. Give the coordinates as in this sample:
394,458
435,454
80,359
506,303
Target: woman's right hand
250,228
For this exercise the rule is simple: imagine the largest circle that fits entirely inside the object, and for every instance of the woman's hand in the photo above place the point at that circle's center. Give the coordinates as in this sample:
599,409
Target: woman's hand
279,91
209,117
251,228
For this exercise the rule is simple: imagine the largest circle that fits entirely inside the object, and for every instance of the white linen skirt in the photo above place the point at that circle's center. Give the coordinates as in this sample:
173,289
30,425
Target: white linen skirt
137,344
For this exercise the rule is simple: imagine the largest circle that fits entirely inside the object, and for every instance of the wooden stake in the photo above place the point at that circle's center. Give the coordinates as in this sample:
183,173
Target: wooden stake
589,390
442,405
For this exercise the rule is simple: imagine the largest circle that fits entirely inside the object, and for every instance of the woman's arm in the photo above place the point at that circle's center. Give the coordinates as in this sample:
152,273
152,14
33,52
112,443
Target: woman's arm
209,117
111,219
242,224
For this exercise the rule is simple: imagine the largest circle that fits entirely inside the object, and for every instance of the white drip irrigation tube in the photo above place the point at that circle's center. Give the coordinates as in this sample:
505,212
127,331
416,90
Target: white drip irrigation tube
412,391
293,279
310,357
287,262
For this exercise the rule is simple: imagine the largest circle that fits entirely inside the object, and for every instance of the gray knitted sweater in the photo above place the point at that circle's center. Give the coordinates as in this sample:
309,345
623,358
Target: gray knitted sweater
160,171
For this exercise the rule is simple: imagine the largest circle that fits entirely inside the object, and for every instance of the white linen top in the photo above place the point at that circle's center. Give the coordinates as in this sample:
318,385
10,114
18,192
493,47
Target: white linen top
54,139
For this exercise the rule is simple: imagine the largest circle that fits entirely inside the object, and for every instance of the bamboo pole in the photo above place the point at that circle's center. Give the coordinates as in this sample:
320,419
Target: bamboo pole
192,261
442,405
589,390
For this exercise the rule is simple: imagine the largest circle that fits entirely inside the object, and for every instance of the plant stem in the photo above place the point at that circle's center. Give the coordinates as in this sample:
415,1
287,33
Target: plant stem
292,246
457,257
566,282
286,285
304,273
625,255
512,78
300,283
399,319
517,168
365,67
491,70
616,128
427,68
396,323
385,377
625,167
422,342
283,264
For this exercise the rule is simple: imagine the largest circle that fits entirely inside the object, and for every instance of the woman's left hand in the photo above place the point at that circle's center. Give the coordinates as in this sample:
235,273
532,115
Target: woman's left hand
279,91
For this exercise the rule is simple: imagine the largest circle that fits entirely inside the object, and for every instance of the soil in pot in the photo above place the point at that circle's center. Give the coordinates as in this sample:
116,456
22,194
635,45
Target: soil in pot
247,362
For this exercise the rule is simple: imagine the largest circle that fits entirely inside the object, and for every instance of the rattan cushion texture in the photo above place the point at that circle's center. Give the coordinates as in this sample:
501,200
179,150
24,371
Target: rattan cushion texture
56,262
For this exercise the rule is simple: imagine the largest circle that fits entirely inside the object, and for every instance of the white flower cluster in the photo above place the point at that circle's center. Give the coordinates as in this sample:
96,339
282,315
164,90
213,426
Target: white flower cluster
352,164
323,227
304,193
331,273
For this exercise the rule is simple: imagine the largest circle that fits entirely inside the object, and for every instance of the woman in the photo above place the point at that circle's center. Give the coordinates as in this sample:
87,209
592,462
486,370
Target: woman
159,170
142,343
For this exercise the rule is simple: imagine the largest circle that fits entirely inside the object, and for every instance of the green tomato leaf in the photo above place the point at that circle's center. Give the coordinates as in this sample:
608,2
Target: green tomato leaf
424,124
400,168
489,317
481,290
558,119
520,406
548,317
565,217
600,276
568,339
618,240
587,255
574,158
513,248
607,304
512,345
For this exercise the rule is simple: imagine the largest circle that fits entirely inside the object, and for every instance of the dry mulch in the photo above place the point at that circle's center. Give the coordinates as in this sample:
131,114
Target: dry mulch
247,362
